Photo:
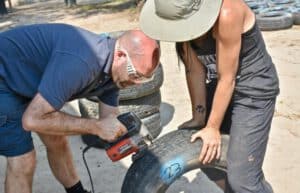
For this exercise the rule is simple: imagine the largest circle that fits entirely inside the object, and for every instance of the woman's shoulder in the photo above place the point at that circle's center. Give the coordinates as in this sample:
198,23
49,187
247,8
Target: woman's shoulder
235,14
232,11
231,17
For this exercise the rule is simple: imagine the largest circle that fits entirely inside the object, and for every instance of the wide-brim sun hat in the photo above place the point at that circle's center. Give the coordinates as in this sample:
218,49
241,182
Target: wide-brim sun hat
178,20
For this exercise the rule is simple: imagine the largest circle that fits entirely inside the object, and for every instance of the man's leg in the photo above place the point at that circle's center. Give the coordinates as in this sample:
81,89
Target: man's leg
60,159
19,173
15,143
251,121
61,162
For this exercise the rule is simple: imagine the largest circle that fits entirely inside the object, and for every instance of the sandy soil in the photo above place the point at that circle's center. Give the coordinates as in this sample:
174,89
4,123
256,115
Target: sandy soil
282,163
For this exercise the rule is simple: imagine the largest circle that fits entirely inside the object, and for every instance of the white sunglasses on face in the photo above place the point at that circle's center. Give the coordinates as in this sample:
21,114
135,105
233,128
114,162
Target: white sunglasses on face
132,72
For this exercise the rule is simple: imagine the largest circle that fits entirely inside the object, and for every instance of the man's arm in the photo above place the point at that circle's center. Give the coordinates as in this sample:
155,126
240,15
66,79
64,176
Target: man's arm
41,117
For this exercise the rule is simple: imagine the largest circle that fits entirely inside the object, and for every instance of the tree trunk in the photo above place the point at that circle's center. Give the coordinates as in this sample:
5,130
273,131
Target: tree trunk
3,9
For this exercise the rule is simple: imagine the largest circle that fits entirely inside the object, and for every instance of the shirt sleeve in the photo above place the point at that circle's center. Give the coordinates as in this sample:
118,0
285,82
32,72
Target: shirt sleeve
64,76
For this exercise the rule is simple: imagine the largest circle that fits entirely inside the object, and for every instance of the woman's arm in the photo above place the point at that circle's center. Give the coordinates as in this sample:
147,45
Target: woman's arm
227,31
228,46
195,77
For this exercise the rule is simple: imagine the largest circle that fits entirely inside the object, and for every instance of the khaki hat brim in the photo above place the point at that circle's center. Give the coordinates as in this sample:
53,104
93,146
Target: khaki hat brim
179,30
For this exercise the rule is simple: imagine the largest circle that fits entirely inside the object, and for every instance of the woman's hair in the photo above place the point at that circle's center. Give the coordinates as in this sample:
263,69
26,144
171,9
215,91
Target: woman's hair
179,50
184,55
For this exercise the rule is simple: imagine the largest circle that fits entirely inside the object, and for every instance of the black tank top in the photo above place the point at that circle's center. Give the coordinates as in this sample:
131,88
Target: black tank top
256,77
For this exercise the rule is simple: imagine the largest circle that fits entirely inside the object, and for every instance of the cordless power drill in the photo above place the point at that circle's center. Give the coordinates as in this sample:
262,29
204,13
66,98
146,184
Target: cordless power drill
135,140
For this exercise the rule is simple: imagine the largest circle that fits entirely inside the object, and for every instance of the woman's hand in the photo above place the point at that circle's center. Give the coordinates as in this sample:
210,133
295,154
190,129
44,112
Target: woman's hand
211,147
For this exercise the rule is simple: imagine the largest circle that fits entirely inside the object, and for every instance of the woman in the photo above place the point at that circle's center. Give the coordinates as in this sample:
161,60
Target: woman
230,77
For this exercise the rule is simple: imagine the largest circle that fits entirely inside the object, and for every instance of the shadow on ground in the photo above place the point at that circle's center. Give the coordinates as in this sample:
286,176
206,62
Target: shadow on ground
166,113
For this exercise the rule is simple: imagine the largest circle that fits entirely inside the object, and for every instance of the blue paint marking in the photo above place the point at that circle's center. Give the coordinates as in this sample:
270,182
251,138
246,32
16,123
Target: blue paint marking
171,170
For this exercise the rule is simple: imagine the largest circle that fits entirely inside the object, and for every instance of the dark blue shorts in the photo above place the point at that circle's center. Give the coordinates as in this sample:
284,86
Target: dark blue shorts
14,140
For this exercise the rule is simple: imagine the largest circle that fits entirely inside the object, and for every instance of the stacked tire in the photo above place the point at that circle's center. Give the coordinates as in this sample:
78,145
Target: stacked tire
276,14
143,99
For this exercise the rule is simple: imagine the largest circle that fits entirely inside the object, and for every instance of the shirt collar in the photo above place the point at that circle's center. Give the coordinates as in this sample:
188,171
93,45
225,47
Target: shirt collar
111,42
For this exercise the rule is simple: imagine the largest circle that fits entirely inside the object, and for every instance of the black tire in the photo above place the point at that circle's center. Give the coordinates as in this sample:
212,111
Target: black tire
259,10
153,124
276,8
142,107
256,6
88,108
253,4
296,15
275,20
142,90
137,91
167,159
281,2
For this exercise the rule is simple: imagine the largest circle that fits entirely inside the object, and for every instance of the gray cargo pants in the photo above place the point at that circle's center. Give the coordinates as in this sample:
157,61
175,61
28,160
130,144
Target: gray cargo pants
250,125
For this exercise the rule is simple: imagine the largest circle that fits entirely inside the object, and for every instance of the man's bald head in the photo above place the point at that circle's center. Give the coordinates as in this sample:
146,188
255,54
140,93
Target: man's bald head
143,50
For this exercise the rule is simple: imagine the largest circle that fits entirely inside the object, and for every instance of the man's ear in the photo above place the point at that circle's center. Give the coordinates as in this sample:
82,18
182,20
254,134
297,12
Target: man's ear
120,53
121,57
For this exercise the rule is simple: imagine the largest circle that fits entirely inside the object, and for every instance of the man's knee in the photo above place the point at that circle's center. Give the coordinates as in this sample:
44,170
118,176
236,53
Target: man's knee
23,165
54,143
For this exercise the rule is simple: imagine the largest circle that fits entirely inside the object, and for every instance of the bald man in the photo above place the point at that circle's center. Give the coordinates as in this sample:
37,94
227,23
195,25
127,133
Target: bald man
42,67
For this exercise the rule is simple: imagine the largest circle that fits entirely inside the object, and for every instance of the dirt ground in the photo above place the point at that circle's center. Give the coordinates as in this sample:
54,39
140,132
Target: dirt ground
282,162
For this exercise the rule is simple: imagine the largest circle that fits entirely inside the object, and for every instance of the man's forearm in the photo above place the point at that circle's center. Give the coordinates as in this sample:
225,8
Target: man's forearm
41,117
59,123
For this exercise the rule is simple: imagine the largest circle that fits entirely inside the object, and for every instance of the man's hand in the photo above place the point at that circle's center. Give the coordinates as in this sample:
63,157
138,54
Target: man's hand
110,128
211,147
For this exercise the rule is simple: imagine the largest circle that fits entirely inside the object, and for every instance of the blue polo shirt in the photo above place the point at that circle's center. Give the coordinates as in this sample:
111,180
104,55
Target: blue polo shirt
57,60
